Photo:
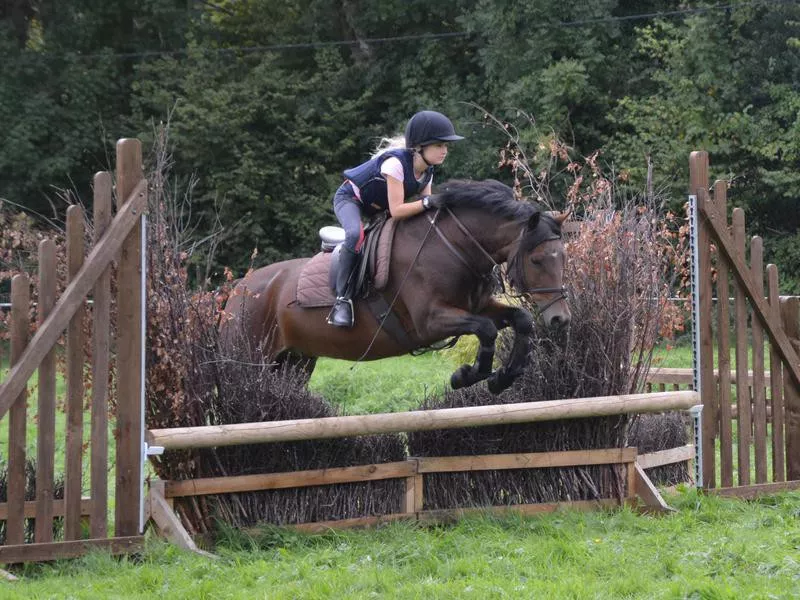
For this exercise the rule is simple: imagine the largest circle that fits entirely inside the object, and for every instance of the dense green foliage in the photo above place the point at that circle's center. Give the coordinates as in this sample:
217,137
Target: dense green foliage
267,107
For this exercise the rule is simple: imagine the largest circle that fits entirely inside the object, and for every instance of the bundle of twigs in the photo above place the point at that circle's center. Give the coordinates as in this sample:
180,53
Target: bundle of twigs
193,381
617,271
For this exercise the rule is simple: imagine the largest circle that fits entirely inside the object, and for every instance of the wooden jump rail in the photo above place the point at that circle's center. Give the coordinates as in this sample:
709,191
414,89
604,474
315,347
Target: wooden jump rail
423,420
414,470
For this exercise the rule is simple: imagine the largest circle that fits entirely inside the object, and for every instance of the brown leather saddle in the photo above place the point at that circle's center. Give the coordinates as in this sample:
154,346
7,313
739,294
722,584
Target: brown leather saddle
315,286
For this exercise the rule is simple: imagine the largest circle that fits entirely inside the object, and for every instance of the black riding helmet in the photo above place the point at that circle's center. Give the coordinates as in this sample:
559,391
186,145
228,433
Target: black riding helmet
428,127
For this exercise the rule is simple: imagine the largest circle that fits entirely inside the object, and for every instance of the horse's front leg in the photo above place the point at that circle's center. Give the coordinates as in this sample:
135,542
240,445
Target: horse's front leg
448,321
521,322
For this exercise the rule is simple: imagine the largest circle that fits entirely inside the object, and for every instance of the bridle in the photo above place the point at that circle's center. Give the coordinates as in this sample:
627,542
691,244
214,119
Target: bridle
496,270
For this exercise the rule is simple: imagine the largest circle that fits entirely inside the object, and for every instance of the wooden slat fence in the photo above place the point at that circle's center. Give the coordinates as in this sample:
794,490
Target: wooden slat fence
116,238
766,404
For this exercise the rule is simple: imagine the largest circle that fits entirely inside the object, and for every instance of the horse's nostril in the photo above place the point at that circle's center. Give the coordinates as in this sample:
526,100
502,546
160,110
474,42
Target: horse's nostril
555,321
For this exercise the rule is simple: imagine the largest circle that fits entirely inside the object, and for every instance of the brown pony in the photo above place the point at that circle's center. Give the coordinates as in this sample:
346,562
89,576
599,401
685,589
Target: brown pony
443,273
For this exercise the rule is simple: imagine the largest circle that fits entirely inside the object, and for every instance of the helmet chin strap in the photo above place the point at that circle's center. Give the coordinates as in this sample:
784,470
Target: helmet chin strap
422,156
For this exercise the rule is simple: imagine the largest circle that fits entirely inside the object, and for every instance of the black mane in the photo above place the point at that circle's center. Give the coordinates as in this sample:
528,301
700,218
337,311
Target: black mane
490,196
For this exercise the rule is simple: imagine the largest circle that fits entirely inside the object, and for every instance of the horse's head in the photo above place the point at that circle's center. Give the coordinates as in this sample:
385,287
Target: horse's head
536,268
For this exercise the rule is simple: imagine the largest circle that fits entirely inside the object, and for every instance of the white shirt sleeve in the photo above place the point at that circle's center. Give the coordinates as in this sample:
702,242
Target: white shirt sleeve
392,166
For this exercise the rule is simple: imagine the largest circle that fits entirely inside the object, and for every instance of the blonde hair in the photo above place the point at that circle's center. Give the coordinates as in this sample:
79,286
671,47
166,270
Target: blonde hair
389,143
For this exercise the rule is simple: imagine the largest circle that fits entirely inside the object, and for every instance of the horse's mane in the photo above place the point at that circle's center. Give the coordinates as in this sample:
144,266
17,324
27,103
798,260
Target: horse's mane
489,196
493,197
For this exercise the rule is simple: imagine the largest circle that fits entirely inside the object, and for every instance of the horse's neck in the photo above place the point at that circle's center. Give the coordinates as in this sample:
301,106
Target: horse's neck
497,236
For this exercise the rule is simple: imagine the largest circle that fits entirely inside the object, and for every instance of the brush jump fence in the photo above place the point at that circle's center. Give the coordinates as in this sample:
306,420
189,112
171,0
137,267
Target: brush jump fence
34,516
767,423
414,470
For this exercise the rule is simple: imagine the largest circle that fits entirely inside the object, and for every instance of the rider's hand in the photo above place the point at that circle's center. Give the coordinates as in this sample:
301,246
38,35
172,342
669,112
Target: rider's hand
434,202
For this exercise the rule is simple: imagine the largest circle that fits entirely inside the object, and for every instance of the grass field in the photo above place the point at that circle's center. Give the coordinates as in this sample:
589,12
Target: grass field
710,548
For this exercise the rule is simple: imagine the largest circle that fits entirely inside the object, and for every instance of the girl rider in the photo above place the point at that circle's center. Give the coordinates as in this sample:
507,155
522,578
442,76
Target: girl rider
386,182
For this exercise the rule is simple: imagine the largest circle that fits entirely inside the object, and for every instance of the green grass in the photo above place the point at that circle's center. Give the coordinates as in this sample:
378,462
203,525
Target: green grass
711,548
389,385
680,356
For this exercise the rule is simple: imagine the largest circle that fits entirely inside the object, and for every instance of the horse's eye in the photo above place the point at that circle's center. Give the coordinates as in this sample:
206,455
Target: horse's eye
536,261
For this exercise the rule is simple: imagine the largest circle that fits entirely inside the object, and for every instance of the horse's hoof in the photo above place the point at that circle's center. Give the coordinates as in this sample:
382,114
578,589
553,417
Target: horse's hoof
460,378
499,381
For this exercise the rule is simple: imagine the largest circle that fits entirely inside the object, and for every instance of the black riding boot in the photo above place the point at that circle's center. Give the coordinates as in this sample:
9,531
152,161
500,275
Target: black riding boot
342,313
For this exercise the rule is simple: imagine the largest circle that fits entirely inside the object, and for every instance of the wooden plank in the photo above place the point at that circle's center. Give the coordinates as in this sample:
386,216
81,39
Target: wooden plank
73,455
698,185
73,297
421,420
101,327
72,549
419,492
648,493
277,481
46,435
741,343
760,309
448,515
57,509
754,491
630,486
520,509
17,418
724,375
355,523
413,498
168,523
776,384
533,460
684,377
759,392
790,313
666,457
129,359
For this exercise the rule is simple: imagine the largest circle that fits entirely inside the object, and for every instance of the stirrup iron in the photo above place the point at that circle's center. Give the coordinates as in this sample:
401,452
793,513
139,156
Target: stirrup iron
349,303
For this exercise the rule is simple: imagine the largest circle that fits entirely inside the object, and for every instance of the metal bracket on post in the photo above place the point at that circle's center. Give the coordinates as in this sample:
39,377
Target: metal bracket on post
155,450
697,411
697,425
146,450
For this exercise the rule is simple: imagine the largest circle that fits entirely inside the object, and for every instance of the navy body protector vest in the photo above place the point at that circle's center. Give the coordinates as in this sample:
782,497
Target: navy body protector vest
372,185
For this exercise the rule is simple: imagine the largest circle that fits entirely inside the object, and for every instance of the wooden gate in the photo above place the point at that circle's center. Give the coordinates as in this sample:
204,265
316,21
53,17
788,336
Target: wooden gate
768,422
30,522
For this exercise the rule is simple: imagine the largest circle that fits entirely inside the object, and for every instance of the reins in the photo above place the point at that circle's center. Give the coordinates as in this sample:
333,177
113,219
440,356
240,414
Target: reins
399,288
496,269
495,272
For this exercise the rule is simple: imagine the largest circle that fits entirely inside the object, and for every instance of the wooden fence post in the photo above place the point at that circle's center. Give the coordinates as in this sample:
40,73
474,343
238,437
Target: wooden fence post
101,320
790,311
129,340
46,442
742,380
698,186
20,305
73,468
724,353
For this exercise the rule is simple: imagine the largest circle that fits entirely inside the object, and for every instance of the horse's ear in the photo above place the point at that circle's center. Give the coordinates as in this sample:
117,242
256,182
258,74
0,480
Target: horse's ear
562,217
533,221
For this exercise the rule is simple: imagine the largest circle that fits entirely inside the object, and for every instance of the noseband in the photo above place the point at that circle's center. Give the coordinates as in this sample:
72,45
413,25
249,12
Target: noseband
496,269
